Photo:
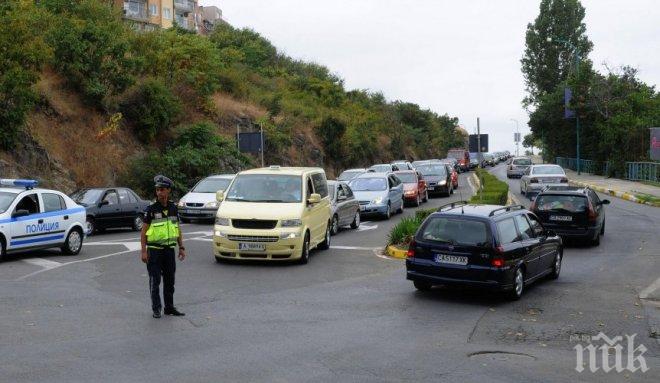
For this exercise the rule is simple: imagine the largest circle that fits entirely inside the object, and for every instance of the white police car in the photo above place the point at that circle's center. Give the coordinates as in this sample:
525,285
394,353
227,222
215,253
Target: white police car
38,219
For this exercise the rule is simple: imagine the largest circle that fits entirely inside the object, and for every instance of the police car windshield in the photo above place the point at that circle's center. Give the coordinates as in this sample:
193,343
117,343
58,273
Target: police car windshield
211,185
266,188
6,198
87,197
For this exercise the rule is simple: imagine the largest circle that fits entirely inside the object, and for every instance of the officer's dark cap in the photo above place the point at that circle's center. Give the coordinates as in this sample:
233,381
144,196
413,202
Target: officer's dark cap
161,181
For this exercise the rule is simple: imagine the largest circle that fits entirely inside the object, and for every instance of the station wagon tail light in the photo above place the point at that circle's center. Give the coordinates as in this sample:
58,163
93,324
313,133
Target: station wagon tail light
497,262
564,180
533,181
592,214
532,207
411,250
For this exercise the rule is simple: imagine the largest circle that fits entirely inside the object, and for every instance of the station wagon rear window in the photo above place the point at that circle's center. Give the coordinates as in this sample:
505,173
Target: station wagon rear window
547,170
456,231
559,203
522,161
266,188
6,199
407,178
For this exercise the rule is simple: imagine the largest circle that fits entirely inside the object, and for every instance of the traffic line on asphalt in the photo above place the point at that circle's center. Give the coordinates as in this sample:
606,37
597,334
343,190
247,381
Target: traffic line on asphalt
650,289
45,263
364,227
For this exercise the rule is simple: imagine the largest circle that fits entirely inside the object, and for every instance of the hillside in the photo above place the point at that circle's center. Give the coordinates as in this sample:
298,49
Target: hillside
90,102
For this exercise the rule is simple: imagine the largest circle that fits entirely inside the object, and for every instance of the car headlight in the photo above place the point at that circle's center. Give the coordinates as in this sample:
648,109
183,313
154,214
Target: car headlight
212,204
376,201
222,221
443,182
289,235
291,223
181,203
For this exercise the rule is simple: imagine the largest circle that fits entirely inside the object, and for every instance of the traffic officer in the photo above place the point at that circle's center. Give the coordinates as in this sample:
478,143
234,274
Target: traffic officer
160,234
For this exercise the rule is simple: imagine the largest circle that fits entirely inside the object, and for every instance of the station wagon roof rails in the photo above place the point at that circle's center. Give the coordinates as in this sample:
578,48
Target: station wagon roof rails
507,209
453,204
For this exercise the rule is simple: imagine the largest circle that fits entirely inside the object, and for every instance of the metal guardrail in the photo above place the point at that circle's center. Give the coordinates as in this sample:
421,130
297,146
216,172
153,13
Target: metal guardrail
634,171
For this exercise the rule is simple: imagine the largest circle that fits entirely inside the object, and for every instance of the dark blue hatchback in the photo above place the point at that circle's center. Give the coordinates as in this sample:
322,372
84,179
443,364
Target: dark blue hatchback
489,246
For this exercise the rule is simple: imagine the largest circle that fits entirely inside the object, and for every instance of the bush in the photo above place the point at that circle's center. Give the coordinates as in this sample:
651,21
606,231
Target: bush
152,108
404,231
493,191
422,214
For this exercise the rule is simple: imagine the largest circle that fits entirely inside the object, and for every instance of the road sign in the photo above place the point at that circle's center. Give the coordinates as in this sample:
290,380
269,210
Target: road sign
473,145
655,144
568,94
516,137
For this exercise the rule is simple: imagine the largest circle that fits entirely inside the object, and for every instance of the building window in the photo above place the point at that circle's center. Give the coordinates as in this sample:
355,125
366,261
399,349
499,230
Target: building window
153,9
167,13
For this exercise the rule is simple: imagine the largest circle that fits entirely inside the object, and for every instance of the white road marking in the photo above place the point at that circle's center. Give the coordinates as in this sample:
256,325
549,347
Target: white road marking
474,189
201,239
364,227
650,289
45,263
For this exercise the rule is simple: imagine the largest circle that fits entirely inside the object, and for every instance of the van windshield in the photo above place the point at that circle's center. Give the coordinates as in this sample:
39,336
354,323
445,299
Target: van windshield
266,188
211,185
456,231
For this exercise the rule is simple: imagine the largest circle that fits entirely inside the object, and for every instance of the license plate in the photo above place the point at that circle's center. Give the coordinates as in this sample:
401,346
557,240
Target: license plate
251,246
431,187
561,218
193,212
451,259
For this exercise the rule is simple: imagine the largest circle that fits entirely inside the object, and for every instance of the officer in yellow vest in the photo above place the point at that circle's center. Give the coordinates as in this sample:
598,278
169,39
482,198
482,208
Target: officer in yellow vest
160,234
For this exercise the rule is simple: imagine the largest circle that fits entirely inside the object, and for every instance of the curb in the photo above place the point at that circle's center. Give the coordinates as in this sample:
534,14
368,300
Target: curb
395,252
614,193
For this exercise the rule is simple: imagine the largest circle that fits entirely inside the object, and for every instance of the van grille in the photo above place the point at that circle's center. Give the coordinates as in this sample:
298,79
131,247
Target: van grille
252,238
253,224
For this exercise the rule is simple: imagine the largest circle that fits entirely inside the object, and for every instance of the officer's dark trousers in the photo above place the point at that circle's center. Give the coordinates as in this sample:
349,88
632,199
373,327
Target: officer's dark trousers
161,262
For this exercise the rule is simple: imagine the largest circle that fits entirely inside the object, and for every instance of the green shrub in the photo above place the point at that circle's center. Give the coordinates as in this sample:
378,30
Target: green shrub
153,108
493,191
421,214
404,231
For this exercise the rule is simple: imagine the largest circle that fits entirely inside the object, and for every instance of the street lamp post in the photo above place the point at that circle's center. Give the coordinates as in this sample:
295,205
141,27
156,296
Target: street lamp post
576,59
518,140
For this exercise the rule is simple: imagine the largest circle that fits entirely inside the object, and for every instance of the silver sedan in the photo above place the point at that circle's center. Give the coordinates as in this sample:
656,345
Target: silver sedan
345,208
537,177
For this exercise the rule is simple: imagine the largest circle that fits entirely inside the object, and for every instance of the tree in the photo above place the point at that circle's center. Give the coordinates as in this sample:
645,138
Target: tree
529,141
546,64
152,108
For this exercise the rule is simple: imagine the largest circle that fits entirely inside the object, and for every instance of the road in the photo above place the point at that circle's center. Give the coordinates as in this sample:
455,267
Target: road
349,315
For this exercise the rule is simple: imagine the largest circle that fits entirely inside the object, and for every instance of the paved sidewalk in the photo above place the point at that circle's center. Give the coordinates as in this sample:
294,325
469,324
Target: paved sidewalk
628,190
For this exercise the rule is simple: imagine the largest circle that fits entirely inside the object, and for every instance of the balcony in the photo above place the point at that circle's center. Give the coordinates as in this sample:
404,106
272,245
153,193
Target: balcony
184,5
136,10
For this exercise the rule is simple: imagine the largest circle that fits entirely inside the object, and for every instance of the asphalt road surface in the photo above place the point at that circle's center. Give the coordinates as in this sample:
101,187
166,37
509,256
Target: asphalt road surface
347,316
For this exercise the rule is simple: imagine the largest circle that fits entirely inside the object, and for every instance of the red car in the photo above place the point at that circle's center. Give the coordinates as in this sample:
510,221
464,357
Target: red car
462,156
414,187
454,178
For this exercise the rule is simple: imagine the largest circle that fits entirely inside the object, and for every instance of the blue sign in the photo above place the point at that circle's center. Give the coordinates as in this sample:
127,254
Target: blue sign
568,94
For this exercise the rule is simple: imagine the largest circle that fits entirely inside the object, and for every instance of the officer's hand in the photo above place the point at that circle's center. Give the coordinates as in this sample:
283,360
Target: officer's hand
182,254
145,257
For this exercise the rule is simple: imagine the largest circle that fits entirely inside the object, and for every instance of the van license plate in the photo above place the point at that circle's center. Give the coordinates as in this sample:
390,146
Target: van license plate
451,259
564,218
251,246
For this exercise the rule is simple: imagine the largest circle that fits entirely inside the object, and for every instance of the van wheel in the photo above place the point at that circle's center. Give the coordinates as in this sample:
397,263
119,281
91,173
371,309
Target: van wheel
335,225
138,222
422,286
356,221
518,285
73,243
304,257
325,245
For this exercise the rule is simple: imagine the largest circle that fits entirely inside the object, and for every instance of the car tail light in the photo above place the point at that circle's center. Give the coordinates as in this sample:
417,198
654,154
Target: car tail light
411,250
497,262
533,181
592,214
564,180
532,207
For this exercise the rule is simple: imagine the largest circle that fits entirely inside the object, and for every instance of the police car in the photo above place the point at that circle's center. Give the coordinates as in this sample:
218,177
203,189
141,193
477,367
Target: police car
38,219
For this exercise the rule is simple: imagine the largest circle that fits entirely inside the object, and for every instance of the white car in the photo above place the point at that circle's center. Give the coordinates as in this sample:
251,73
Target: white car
199,203
33,219
538,177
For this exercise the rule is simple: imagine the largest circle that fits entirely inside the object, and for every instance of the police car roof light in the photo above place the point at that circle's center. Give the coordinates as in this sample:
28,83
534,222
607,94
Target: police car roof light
28,184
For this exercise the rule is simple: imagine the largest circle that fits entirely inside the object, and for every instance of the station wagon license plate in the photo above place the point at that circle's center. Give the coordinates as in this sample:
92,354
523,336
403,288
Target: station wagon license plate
564,218
251,246
451,259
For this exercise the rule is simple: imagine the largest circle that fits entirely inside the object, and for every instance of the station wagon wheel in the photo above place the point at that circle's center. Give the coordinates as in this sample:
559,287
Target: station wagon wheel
304,257
73,243
335,225
518,284
602,228
556,267
138,222
356,220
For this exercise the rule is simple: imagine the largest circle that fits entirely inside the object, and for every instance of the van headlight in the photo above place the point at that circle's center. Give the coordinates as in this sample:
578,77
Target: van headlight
291,222
222,221
220,234
289,235
212,204
377,200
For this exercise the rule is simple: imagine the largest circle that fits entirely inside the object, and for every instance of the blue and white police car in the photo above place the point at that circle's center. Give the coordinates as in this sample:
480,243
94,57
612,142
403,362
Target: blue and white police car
32,218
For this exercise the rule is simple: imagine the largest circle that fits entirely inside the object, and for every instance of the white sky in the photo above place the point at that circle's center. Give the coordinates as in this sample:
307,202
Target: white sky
456,57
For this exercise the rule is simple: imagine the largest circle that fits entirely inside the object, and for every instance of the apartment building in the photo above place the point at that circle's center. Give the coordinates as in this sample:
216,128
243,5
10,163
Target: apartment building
210,16
186,14
148,14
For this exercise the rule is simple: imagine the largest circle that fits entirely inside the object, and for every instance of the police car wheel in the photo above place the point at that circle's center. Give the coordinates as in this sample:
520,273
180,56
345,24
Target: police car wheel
73,243
138,222
3,250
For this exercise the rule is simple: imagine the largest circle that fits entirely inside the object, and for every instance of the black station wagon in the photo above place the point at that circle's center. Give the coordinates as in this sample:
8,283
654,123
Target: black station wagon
489,246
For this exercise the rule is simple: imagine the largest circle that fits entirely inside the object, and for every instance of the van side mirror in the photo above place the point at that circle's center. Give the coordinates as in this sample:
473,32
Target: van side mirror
20,213
314,199
219,195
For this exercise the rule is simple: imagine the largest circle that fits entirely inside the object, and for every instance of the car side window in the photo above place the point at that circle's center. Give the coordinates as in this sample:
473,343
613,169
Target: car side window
348,190
508,232
537,228
594,198
111,197
320,184
30,203
123,196
340,191
525,229
52,202
132,198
